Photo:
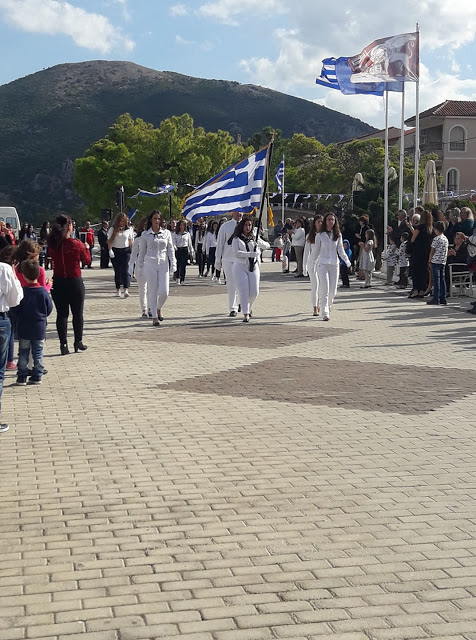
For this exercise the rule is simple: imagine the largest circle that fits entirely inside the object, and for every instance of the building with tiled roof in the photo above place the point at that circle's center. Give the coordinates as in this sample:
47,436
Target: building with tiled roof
449,130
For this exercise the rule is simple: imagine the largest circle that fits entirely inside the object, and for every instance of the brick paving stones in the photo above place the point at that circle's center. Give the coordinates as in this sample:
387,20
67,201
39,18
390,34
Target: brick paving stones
286,479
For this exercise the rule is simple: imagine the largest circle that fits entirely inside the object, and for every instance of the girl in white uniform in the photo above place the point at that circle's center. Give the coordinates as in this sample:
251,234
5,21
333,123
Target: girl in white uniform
325,255
308,266
156,258
246,251
139,273
211,247
182,241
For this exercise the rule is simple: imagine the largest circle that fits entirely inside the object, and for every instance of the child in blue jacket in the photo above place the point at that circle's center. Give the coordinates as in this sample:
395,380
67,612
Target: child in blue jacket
344,269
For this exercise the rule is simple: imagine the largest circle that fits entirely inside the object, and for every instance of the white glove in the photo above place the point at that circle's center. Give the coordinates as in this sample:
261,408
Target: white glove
111,253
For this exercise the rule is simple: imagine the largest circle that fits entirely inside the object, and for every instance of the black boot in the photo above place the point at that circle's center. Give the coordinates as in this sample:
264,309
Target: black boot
64,349
79,346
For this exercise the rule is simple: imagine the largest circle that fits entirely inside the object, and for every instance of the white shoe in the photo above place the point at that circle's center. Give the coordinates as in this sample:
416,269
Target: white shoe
214,279
126,294
220,281
117,294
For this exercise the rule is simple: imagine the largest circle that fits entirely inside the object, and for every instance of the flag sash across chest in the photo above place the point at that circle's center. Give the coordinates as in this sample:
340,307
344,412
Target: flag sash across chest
237,188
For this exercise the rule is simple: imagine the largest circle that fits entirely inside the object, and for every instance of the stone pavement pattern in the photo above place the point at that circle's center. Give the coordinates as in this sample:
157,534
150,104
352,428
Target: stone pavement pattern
211,480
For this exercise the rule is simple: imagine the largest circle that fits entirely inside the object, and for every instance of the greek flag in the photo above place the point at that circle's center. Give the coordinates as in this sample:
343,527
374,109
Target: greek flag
166,188
337,74
237,188
280,175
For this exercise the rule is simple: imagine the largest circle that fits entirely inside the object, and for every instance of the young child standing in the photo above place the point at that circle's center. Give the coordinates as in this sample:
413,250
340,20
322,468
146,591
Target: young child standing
31,316
278,244
437,260
392,259
343,268
367,261
403,261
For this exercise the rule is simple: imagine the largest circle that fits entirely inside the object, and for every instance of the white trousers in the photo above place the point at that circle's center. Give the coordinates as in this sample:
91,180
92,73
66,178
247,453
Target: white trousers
142,287
314,287
227,266
247,283
157,279
327,275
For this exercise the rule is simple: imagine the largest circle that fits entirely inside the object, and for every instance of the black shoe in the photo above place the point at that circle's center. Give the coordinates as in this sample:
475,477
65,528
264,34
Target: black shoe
64,349
232,314
4,427
34,380
246,319
432,301
21,381
239,308
444,303
79,346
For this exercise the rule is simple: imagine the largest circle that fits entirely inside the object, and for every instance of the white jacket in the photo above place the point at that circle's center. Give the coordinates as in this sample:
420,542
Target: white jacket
326,250
306,261
134,255
210,242
156,248
241,253
224,251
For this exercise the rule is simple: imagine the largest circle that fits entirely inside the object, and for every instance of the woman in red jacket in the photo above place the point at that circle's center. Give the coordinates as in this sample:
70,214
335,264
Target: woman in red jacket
68,288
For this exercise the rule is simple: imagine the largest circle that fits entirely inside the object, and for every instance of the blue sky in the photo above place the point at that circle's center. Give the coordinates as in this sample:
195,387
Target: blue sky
274,43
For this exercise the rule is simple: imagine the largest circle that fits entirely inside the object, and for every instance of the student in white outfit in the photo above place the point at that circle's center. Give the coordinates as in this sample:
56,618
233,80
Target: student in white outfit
308,266
139,273
182,241
156,258
119,241
224,258
211,247
298,240
247,252
325,254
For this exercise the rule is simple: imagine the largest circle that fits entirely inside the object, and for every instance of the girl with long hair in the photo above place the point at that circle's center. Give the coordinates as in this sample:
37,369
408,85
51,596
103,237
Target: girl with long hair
327,249
68,290
120,238
156,259
308,266
183,248
200,238
138,272
211,247
247,251
367,263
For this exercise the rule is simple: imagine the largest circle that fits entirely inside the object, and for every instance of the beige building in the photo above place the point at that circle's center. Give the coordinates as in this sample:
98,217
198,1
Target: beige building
449,130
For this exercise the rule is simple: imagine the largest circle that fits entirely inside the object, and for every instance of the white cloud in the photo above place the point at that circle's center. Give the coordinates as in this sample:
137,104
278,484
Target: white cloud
344,28
54,17
227,11
178,10
180,40
125,10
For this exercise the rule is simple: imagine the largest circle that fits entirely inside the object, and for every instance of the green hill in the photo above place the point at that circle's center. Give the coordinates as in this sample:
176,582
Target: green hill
50,118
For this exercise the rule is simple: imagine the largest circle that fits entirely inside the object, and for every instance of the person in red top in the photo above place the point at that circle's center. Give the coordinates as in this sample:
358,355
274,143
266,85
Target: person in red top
68,287
86,235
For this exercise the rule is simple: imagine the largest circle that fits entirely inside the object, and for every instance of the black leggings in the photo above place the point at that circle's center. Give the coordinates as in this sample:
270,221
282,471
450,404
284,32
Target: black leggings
120,262
182,259
66,293
211,259
200,259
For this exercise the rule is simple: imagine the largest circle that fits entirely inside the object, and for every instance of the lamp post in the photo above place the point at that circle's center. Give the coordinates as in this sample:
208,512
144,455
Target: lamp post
170,200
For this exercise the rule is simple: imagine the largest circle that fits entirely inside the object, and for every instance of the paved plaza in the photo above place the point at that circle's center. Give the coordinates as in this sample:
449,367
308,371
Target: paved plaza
211,480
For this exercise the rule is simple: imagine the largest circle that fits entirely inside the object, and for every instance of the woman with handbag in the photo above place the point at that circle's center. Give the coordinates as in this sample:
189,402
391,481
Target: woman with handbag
182,241
120,238
247,251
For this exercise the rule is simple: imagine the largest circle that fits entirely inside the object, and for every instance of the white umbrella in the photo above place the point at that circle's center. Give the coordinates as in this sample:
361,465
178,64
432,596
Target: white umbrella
430,188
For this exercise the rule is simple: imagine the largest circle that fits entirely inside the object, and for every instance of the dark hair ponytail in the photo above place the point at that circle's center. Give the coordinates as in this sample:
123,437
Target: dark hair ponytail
59,231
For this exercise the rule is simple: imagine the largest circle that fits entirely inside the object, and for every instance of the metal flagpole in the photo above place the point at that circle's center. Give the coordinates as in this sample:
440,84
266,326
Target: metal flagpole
264,194
402,152
385,188
417,136
282,194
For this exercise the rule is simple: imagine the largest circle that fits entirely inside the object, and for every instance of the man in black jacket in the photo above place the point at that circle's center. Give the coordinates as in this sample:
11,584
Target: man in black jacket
102,239
403,226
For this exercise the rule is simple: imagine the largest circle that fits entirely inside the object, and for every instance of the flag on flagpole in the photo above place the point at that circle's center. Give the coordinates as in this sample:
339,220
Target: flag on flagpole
237,188
384,65
166,188
280,175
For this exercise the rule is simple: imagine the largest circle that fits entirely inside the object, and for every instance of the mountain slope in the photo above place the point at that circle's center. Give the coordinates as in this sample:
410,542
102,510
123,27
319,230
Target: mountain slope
50,118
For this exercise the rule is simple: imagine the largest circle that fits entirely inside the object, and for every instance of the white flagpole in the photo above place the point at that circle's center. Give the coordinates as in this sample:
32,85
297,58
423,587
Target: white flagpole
402,152
385,187
417,135
282,193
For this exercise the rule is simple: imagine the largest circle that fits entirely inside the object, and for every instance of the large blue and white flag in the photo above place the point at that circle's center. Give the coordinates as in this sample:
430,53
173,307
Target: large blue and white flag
279,177
237,188
166,188
384,65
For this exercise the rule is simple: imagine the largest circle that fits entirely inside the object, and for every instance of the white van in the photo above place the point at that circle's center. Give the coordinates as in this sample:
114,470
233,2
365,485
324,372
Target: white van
9,214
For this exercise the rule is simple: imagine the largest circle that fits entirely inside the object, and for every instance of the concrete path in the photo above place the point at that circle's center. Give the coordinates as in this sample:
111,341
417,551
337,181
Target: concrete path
212,480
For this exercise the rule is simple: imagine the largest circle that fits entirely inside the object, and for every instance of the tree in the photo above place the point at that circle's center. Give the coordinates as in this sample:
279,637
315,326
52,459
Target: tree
138,156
